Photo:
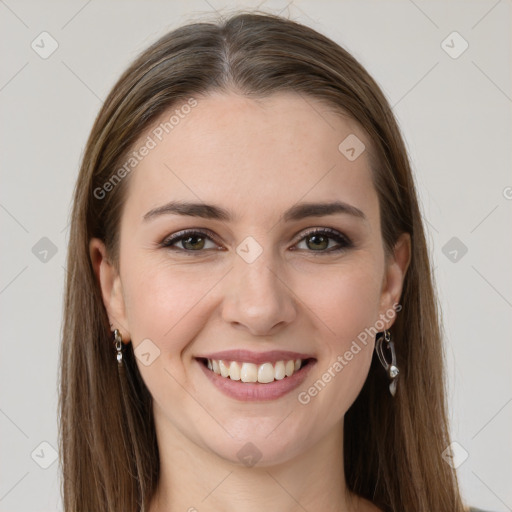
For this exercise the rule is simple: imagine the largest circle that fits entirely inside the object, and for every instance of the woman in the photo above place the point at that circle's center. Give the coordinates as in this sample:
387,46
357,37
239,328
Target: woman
250,317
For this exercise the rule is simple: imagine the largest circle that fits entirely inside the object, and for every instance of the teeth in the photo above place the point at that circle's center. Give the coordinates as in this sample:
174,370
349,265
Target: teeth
250,372
224,370
279,370
234,371
266,373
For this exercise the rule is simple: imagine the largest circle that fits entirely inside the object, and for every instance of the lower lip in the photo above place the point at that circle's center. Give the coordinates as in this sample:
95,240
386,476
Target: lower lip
254,391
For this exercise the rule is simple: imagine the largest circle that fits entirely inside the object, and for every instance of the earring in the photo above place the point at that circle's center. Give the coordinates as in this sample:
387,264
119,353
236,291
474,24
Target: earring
391,369
118,341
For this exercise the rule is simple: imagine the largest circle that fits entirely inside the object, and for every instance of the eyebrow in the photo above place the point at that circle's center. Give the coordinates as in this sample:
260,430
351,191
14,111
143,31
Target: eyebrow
210,211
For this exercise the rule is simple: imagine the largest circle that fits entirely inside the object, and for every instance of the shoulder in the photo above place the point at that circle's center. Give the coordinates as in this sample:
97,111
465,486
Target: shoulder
473,509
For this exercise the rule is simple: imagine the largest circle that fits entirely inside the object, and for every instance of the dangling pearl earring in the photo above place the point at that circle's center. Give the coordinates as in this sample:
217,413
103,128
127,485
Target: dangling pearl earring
118,341
391,368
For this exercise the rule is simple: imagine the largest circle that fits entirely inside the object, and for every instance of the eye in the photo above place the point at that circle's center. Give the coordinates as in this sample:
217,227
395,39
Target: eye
190,240
320,240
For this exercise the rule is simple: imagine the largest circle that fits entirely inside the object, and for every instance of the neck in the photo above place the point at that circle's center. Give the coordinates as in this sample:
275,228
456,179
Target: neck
194,479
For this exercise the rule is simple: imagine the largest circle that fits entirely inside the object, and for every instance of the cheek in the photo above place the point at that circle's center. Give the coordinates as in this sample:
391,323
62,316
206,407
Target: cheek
164,302
346,299
347,312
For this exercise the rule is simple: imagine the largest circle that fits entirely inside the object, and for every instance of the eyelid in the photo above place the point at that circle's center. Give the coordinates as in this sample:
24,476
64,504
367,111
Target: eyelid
334,233
180,235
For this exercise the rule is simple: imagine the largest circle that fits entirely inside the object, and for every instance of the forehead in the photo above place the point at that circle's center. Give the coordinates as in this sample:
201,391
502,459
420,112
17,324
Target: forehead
254,156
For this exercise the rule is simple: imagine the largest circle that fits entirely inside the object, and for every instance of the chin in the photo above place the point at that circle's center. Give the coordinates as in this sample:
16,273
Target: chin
254,447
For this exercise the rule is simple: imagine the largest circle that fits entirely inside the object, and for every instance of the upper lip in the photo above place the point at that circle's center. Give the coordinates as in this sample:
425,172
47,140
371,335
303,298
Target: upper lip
256,357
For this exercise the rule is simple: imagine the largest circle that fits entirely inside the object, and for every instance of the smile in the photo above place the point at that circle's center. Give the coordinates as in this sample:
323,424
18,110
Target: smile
246,381
251,372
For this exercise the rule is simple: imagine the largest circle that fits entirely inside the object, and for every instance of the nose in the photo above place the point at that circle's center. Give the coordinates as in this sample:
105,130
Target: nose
257,297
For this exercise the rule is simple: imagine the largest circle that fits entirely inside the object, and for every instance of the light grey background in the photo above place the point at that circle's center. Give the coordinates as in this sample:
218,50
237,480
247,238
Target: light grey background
456,118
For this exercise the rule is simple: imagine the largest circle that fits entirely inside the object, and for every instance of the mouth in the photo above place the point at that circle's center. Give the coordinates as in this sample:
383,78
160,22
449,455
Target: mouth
248,381
248,372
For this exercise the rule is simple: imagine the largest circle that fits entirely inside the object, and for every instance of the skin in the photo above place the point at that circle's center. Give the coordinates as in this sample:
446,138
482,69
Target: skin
256,158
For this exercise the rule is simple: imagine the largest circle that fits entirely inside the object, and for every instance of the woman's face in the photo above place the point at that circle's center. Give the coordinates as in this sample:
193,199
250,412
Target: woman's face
254,281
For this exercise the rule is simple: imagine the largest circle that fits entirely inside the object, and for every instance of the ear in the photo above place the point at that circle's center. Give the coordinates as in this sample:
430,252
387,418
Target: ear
110,284
394,276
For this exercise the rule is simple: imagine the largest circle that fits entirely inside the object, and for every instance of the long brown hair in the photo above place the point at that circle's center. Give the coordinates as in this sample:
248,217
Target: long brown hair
392,446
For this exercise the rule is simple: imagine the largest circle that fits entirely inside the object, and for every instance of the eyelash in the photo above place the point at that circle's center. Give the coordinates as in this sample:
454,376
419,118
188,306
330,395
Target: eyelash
340,238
